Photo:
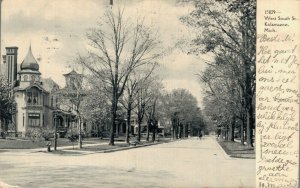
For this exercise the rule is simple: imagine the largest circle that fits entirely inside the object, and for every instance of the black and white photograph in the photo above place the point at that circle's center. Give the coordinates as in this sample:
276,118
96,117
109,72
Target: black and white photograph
128,93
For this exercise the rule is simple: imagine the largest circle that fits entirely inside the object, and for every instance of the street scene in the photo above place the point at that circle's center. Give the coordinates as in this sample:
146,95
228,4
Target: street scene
127,93
184,163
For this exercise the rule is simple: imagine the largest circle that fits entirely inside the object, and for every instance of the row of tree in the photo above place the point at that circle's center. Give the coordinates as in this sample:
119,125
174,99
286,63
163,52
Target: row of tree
144,99
120,71
227,30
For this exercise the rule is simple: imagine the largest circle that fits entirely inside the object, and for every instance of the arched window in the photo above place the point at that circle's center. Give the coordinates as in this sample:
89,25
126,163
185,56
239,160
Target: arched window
35,98
25,78
33,78
29,97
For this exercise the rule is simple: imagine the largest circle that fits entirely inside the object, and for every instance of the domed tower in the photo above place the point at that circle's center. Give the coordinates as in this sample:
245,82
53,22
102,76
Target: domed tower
30,96
29,69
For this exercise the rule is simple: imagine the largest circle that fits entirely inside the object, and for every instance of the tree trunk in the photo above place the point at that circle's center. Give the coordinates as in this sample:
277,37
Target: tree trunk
242,133
80,134
184,130
249,130
180,130
231,129
55,133
128,124
113,119
249,91
148,129
177,129
112,130
99,131
154,131
139,130
173,132
226,133
173,129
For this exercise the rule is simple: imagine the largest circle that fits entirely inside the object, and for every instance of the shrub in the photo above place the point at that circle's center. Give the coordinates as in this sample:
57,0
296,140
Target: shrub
47,133
34,133
72,134
3,134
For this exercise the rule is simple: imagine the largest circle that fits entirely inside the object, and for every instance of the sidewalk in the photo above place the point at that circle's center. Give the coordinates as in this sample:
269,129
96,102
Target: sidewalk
85,150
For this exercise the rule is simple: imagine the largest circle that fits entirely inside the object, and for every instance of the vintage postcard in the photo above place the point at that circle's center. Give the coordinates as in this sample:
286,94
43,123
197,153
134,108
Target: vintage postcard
149,93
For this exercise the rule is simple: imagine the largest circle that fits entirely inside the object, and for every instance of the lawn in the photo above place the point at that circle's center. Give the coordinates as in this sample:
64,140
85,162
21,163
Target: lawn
117,146
104,147
237,150
20,143
32,144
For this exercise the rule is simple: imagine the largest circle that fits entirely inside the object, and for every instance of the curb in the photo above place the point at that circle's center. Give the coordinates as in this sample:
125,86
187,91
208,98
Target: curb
114,150
223,151
127,148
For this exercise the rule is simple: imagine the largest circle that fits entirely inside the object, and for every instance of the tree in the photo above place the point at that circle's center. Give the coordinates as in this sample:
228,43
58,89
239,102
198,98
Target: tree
181,107
229,27
117,48
221,83
132,88
143,99
71,98
7,104
95,107
154,110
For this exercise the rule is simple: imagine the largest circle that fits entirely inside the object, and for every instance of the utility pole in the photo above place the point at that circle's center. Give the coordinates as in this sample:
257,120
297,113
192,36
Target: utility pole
80,134
55,131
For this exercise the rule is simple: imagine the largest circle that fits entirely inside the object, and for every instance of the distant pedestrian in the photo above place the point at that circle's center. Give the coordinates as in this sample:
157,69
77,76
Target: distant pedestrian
48,146
200,135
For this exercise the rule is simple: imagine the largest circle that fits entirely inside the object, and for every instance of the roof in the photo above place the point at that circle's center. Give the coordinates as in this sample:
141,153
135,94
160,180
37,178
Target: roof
9,47
48,84
73,72
30,86
61,111
28,71
30,62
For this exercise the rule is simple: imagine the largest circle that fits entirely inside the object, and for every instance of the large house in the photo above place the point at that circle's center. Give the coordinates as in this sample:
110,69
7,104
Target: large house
36,102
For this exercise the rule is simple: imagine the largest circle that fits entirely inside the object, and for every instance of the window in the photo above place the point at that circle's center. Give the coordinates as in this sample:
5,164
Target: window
34,119
35,98
25,78
29,97
51,102
32,78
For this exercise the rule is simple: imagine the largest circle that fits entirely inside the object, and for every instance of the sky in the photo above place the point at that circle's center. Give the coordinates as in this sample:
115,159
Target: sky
57,29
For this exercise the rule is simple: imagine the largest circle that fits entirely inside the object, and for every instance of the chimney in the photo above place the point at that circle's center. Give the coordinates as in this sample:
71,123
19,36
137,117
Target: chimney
11,64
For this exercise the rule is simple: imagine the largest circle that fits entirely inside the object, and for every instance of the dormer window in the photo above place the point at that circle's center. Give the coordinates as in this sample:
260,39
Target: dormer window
33,97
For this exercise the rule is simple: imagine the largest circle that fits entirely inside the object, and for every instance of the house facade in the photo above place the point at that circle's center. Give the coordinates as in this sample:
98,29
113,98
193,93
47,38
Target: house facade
36,101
